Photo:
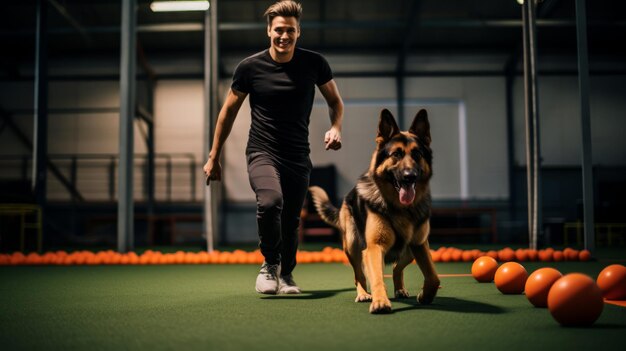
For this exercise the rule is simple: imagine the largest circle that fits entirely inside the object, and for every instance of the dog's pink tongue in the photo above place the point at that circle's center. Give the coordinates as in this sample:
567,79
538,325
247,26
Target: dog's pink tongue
407,194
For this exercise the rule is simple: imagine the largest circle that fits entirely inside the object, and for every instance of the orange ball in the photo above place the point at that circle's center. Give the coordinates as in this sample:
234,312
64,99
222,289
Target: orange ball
467,256
484,268
558,256
457,255
570,254
506,254
511,278
575,300
545,255
521,255
492,253
476,253
584,255
612,282
538,285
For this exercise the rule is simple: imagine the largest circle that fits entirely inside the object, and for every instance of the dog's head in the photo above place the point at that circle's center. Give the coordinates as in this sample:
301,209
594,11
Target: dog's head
403,159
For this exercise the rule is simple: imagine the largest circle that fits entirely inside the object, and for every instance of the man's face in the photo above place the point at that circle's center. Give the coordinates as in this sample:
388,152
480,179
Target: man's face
283,33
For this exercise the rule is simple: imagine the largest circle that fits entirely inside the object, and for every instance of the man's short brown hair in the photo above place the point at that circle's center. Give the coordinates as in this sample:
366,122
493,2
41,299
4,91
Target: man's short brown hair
287,8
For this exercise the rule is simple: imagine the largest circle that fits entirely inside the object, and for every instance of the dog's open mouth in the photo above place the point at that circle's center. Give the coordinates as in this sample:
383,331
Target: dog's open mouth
406,192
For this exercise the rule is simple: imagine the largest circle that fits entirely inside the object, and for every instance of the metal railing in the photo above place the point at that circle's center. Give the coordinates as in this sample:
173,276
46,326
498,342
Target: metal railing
94,176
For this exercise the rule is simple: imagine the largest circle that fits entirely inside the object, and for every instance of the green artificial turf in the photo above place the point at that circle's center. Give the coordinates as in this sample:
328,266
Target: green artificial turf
215,307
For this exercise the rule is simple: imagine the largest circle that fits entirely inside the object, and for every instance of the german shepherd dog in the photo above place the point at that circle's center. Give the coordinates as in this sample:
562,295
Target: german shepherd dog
385,217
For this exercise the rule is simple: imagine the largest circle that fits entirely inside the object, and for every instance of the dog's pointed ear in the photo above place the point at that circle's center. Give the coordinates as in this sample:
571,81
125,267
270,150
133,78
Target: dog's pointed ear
387,127
421,127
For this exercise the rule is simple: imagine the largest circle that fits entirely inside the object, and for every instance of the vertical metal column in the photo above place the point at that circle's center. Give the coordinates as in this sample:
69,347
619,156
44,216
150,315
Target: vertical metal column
412,26
585,117
533,161
150,169
149,172
400,96
125,233
211,194
510,145
40,131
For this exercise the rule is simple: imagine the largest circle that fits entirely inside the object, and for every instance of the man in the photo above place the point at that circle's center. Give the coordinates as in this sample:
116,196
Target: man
281,83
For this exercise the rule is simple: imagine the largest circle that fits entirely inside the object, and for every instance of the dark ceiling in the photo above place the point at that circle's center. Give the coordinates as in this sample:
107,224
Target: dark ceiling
363,27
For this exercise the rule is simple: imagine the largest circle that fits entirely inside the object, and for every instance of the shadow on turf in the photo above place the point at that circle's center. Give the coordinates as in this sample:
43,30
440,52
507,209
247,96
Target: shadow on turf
449,304
597,326
309,295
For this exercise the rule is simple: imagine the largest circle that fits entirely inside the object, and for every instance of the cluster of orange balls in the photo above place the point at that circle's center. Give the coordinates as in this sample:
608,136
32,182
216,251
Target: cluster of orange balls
452,254
327,255
149,257
573,299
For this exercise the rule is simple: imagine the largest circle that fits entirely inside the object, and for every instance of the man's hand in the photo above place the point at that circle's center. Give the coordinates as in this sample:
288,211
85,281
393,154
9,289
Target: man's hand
212,171
332,139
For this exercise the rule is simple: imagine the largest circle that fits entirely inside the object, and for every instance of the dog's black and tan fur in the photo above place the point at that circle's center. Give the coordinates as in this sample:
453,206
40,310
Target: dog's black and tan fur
385,217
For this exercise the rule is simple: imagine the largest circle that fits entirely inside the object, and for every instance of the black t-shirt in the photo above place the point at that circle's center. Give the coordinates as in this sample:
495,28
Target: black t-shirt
281,99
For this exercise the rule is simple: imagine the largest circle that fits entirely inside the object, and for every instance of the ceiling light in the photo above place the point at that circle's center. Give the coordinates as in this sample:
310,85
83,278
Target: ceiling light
170,6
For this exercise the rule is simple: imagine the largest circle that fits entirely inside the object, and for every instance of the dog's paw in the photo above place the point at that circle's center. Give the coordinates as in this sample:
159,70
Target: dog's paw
402,294
380,306
428,293
363,298
425,299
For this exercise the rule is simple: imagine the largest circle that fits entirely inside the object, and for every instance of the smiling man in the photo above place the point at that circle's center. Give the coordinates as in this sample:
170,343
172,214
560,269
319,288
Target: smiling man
281,83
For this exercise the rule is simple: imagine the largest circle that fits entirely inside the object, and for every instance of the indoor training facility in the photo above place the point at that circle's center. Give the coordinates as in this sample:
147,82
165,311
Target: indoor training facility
110,238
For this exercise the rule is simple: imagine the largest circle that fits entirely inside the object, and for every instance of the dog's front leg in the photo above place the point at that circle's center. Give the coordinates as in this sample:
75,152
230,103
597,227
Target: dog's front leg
355,256
379,238
399,289
373,258
427,266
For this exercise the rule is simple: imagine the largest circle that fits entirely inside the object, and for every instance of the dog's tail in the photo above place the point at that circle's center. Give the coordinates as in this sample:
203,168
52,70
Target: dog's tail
326,210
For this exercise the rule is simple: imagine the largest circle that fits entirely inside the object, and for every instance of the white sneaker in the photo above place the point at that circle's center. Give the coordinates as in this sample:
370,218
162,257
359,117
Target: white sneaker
286,285
267,280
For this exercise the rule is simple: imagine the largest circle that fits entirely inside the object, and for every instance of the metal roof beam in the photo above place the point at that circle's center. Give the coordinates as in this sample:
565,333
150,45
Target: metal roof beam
73,22
363,25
